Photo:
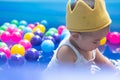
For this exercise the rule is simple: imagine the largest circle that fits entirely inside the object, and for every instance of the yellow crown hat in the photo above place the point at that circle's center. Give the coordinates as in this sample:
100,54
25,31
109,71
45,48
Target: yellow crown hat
85,19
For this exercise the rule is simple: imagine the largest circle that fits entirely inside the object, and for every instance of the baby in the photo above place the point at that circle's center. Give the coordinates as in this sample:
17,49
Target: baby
88,22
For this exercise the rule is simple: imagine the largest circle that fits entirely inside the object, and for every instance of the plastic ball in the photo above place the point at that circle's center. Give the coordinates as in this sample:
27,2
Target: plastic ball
57,38
39,33
3,28
5,36
19,30
26,30
36,29
6,24
28,36
44,60
12,25
16,60
49,33
41,27
103,41
47,54
18,49
47,46
21,27
6,50
53,30
11,29
65,33
16,37
49,38
31,26
26,44
32,55
1,31
36,40
15,22
23,22
2,44
45,23
3,58
114,37
61,28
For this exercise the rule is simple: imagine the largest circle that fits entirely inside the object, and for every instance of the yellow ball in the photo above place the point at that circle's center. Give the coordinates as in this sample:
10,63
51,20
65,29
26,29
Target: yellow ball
18,49
28,36
103,41
36,29
41,27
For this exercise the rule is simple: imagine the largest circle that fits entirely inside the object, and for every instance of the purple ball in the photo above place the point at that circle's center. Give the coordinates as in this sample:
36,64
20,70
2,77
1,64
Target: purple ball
49,38
36,40
38,33
16,60
57,37
32,55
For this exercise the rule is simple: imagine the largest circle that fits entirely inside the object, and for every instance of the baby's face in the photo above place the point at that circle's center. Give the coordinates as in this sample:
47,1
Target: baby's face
90,41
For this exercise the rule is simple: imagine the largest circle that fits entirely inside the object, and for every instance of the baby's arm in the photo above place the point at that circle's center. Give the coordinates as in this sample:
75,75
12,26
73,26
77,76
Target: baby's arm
103,62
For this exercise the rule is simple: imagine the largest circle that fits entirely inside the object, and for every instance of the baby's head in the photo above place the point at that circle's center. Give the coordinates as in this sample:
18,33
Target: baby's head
89,40
88,22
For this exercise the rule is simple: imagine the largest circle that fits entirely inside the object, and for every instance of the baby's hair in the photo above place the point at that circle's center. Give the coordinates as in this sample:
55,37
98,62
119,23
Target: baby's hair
88,2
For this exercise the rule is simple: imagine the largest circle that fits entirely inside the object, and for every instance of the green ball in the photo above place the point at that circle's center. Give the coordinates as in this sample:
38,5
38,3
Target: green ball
1,31
21,27
54,30
15,22
49,33
2,44
3,28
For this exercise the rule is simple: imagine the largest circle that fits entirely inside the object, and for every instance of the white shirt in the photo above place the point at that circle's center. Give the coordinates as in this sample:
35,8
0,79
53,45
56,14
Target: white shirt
81,61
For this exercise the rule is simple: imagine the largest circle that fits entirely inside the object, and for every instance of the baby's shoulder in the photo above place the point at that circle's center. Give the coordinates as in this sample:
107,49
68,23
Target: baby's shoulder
65,53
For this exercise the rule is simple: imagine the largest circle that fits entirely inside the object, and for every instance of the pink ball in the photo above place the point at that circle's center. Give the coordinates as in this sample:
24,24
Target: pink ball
5,36
16,36
26,44
31,26
61,28
6,50
11,29
114,37
19,30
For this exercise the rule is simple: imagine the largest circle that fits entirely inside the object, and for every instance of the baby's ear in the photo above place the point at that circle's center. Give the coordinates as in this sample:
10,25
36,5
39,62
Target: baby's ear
75,35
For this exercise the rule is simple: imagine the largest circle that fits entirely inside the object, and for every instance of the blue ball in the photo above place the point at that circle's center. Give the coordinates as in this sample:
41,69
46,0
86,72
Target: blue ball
47,46
16,60
26,30
65,33
45,23
44,60
3,58
47,54
23,22
36,40
32,55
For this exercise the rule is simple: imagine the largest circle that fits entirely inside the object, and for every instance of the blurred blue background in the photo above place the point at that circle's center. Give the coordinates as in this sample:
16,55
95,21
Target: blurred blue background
51,10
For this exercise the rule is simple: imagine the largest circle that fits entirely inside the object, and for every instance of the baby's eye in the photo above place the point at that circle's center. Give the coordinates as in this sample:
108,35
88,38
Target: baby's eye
96,42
